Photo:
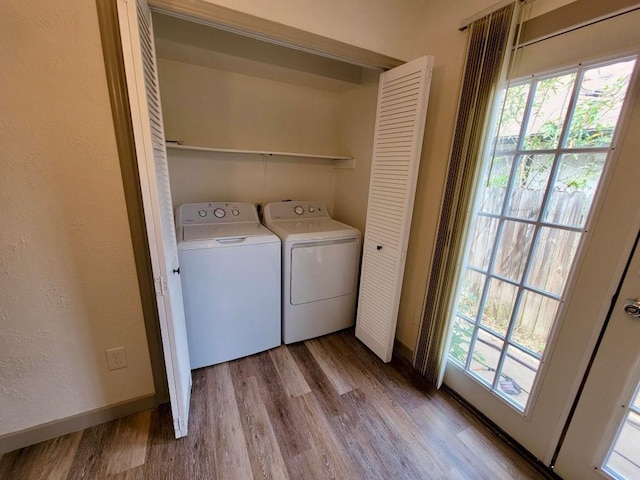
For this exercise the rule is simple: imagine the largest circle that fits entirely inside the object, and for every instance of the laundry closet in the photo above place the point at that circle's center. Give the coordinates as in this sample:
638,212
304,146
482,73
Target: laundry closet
219,117
228,101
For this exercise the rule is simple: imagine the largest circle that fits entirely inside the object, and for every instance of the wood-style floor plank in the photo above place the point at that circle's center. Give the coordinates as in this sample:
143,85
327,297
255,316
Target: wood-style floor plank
46,460
89,461
135,473
286,419
264,452
320,384
339,377
370,440
165,455
336,461
230,447
322,409
395,419
201,463
289,373
129,446
496,457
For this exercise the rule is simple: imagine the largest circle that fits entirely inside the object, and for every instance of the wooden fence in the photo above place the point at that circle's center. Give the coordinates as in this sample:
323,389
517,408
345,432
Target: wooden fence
552,259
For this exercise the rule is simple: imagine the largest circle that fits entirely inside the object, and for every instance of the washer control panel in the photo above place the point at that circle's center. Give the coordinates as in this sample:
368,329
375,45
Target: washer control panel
215,213
291,210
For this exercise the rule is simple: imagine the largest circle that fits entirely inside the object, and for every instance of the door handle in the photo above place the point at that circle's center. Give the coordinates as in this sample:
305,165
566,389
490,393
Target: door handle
632,307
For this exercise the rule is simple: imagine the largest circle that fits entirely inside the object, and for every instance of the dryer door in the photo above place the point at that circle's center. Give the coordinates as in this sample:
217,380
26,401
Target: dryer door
321,270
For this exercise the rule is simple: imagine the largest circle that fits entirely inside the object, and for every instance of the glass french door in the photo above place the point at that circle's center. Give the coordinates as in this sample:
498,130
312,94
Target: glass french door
550,156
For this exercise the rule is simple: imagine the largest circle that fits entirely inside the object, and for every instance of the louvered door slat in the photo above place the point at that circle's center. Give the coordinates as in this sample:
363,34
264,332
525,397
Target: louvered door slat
392,162
387,205
409,86
396,133
400,119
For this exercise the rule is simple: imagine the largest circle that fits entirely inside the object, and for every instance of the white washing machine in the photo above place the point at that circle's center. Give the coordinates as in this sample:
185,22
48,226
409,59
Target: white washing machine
230,268
320,267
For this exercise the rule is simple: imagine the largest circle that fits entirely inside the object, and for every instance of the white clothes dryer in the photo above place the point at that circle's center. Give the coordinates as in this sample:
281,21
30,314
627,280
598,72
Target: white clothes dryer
320,268
230,268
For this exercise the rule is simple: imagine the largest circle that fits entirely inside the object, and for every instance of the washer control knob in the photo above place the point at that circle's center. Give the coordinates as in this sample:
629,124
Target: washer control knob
299,210
312,209
235,212
219,212
202,213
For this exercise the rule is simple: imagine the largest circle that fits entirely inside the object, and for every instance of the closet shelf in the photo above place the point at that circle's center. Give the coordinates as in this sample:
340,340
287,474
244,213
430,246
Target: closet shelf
340,161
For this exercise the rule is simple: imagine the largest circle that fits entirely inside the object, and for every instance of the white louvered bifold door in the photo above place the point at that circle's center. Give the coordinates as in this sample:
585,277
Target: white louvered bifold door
136,32
400,118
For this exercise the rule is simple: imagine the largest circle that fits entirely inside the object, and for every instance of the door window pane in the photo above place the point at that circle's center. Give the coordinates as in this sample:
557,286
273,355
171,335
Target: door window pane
574,188
624,459
482,242
515,102
486,354
530,185
534,321
518,373
513,250
498,307
460,340
602,92
553,258
470,293
494,184
548,112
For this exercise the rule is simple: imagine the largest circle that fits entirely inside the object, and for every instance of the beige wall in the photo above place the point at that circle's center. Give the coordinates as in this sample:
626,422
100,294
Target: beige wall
68,287
390,27
212,177
215,108
210,107
357,126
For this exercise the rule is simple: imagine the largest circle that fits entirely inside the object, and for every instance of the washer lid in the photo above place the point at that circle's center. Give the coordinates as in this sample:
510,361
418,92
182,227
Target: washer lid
311,229
210,236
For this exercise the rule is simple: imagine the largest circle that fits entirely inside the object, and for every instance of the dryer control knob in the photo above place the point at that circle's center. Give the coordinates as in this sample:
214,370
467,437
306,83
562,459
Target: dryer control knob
235,212
202,213
312,209
299,210
218,212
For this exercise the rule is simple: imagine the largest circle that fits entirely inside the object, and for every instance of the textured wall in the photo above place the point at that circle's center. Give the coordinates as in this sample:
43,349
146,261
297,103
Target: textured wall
68,287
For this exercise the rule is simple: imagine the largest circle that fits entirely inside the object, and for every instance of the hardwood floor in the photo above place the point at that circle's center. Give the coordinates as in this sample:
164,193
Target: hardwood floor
326,408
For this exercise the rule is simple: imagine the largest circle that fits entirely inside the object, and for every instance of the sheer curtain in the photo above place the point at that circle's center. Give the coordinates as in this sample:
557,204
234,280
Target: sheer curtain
488,52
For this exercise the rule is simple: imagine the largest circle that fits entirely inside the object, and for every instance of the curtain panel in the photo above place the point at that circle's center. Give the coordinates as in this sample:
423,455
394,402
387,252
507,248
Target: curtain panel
488,50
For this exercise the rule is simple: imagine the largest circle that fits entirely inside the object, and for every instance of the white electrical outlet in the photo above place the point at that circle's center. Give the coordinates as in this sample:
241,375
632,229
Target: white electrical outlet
116,358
